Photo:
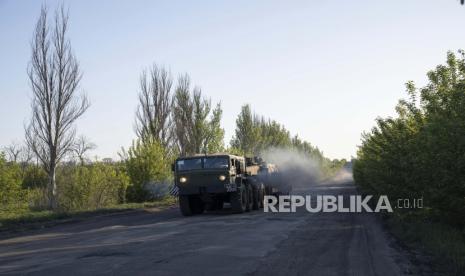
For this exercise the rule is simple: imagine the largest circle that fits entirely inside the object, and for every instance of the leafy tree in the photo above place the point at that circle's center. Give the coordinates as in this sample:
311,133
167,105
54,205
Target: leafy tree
214,141
256,135
247,133
273,134
421,152
196,126
306,148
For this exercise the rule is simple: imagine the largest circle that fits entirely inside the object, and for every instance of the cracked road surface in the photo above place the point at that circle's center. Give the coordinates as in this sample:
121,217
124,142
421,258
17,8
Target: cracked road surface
148,242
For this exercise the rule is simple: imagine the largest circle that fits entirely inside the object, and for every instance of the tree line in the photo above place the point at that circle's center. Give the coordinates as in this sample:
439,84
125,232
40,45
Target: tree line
421,152
256,134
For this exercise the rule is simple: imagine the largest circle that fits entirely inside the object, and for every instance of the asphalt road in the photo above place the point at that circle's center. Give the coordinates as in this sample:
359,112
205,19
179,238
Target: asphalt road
151,242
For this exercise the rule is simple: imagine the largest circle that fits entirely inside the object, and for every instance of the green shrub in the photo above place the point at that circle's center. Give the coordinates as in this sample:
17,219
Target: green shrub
34,177
11,194
37,199
147,164
90,187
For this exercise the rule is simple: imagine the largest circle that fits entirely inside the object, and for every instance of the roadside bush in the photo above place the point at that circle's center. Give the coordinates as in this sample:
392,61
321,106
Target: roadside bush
11,194
148,167
37,199
90,187
34,177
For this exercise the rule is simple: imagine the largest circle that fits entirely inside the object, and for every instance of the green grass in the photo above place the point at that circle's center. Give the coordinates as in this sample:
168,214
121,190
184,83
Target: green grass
23,218
444,243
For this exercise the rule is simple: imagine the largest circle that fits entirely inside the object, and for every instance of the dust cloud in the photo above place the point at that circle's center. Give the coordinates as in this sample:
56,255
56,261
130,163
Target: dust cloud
295,168
343,176
300,171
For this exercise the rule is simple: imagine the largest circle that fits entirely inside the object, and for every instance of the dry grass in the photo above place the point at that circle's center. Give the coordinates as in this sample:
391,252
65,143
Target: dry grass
17,219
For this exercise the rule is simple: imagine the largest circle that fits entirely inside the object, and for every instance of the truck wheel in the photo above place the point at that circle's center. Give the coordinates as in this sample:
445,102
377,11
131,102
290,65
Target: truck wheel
249,205
185,206
256,198
239,201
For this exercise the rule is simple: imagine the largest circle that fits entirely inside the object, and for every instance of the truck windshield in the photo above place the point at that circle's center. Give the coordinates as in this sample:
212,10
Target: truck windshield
213,162
217,162
189,164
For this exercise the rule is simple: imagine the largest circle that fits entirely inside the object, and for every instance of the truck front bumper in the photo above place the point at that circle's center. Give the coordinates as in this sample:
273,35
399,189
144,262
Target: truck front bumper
207,189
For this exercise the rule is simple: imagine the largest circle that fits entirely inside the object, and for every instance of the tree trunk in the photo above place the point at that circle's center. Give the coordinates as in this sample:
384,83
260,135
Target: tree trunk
52,188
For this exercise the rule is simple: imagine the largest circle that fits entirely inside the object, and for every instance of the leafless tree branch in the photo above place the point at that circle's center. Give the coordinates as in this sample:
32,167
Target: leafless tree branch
13,152
153,116
81,146
54,75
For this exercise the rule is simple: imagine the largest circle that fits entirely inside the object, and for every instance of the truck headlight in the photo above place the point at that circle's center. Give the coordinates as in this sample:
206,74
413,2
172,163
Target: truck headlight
222,177
182,179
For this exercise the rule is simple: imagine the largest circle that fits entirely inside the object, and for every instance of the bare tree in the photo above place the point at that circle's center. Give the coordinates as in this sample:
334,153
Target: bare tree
153,118
54,76
182,115
81,146
194,131
13,152
26,156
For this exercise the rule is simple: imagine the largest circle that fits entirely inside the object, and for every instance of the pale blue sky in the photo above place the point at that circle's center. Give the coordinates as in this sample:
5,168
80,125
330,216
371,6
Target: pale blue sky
325,69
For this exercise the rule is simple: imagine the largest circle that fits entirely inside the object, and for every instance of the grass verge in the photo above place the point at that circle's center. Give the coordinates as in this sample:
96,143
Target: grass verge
445,244
23,218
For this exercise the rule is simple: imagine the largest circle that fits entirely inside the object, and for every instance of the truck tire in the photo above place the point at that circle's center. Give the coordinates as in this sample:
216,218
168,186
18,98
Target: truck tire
238,201
249,205
185,206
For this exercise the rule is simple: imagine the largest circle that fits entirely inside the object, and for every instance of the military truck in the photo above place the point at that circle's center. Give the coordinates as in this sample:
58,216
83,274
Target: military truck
208,181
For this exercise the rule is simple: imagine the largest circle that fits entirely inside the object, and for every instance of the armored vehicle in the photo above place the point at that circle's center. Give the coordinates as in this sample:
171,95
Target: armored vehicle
208,181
